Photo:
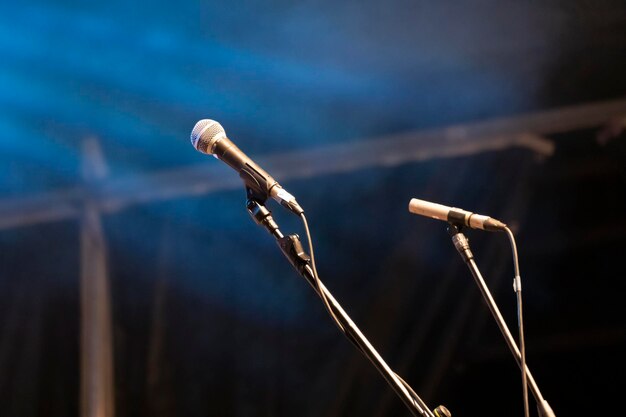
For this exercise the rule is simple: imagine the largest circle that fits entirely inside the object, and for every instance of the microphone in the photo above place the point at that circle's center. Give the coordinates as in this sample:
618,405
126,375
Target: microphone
455,215
209,137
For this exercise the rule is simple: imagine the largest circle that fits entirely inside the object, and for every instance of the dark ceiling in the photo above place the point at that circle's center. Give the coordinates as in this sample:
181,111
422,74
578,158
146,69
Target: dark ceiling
208,319
282,75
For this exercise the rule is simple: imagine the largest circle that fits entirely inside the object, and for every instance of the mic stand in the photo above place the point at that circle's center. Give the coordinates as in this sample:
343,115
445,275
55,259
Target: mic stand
462,246
292,248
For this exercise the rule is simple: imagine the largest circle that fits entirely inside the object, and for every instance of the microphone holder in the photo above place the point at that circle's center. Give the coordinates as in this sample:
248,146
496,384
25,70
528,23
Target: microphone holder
293,250
461,243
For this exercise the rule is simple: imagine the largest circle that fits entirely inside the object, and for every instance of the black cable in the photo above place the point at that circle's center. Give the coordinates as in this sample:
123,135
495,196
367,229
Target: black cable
329,308
316,277
517,286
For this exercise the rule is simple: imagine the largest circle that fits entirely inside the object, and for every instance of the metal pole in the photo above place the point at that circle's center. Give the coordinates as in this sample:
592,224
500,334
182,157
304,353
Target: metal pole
96,375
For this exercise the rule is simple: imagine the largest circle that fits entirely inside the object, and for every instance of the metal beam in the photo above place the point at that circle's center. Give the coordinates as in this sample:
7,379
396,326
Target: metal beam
387,151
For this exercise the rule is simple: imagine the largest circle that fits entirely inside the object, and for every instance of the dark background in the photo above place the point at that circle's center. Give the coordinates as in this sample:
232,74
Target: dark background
208,318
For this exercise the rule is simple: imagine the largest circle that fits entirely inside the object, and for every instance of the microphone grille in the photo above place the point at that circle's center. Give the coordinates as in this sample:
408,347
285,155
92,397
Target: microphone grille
205,134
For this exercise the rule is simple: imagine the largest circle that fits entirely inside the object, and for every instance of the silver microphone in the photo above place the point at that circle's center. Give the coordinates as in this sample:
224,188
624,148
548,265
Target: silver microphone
455,215
209,137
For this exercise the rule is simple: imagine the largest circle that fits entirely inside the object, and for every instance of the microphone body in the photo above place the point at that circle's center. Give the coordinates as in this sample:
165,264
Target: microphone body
455,215
209,137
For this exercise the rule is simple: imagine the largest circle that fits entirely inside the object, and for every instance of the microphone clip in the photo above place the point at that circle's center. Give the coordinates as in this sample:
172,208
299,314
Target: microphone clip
461,243
290,245
262,216
293,249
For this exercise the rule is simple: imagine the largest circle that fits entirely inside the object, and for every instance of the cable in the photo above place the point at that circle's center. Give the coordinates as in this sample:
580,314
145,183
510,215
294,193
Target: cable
318,283
517,286
262,216
408,388
329,308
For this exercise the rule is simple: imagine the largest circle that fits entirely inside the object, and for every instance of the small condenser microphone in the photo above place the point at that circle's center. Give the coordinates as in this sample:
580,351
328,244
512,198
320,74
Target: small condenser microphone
455,215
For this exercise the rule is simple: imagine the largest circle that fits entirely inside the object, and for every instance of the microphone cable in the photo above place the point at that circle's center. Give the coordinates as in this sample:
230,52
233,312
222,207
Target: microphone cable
318,283
329,308
517,287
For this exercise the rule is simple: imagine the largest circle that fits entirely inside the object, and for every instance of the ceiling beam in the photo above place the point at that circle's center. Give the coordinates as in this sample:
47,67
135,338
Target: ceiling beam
112,195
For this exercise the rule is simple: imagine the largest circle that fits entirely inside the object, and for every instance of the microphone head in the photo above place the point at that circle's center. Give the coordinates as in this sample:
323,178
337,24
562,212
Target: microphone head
205,134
